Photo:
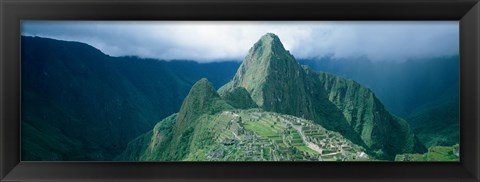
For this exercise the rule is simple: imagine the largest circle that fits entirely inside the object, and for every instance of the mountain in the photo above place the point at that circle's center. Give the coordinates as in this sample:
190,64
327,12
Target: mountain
403,87
276,109
175,134
80,104
202,100
380,130
423,91
437,124
239,98
277,83
208,129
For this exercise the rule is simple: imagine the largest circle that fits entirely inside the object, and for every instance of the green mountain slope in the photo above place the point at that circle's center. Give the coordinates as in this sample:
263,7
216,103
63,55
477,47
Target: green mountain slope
279,84
404,86
80,104
379,129
239,98
202,100
208,129
173,137
438,124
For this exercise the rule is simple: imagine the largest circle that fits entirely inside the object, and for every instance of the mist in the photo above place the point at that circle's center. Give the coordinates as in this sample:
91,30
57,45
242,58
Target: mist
205,41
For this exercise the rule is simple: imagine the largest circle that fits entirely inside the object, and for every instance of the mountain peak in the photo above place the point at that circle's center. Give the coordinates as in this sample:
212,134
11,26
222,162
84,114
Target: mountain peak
202,81
202,90
268,44
266,60
269,34
271,37
197,100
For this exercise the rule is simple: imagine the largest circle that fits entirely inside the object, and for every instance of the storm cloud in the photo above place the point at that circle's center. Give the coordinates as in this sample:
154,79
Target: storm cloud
224,40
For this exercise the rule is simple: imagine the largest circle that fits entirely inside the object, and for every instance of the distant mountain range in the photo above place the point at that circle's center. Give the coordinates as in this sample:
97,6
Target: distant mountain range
80,104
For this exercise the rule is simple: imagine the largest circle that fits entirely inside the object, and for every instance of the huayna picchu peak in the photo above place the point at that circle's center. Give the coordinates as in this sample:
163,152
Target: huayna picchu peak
276,109
279,84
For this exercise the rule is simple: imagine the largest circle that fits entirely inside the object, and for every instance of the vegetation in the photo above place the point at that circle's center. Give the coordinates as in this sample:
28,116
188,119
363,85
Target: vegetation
301,115
367,115
273,109
277,83
435,153
80,104
402,86
423,91
438,124
239,98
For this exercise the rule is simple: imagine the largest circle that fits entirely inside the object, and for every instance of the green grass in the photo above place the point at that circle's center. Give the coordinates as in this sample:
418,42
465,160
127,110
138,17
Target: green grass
261,129
277,137
441,153
297,142
266,154
306,149
435,153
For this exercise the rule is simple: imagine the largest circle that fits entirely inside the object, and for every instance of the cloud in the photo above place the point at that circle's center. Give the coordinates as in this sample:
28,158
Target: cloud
224,40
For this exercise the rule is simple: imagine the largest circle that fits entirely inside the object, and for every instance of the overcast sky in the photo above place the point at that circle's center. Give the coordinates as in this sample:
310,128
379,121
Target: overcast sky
214,41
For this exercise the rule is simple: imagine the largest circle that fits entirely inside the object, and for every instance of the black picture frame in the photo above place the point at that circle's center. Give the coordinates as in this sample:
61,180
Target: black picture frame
12,12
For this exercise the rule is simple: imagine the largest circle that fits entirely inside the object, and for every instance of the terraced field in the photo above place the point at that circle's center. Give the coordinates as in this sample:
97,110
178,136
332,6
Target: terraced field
255,135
